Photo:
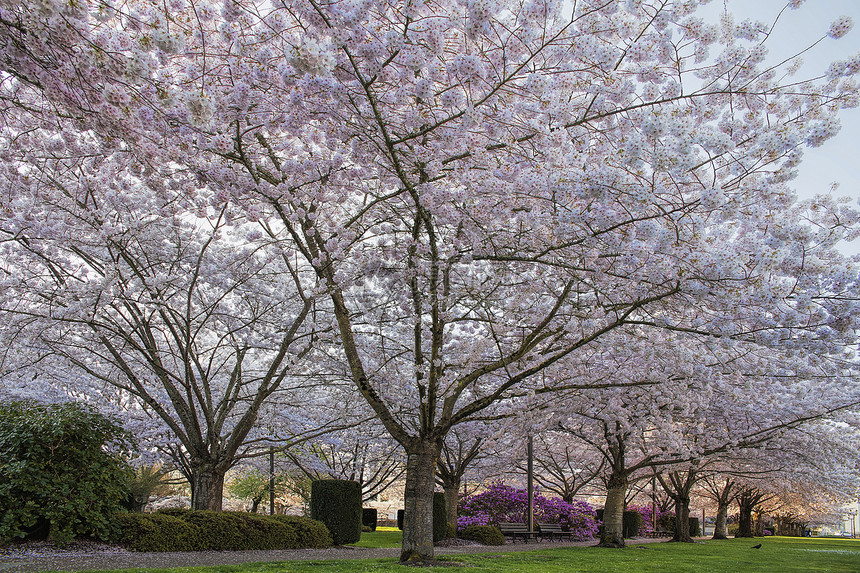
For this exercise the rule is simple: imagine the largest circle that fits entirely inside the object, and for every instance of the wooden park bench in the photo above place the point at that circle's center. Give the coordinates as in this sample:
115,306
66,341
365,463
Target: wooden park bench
658,533
514,530
553,531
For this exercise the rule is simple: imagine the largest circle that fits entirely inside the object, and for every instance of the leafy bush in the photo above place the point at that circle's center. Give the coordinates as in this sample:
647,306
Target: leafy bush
337,503
369,518
309,532
440,516
63,471
484,534
631,524
155,532
235,531
184,530
645,511
500,503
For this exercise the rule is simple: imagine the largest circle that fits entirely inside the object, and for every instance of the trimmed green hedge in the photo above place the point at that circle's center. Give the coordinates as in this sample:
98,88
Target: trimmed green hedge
486,534
183,530
156,532
337,503
310,533
369,518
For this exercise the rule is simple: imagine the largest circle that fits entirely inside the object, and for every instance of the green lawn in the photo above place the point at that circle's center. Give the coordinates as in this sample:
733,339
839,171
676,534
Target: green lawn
778,554
382,537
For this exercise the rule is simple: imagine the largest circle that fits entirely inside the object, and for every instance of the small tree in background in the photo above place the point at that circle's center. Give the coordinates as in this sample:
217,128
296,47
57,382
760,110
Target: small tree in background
337,503
63,472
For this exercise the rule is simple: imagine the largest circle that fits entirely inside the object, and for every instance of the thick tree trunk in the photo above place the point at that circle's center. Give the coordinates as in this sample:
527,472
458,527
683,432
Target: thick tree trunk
682,520
613,512
452,496
207,487
721,528
745,524
418,503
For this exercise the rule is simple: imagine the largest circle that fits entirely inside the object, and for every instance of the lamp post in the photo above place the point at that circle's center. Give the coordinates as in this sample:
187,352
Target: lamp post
530,473
271,481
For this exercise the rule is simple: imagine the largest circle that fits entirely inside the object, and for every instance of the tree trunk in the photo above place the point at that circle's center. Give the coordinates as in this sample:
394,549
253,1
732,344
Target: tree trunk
682,520
207,487
745,520
721,528
418,503
613,512
452,496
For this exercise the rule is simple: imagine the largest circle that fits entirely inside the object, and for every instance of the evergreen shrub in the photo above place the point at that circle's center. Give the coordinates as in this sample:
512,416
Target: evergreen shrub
337,503
369,517
310,533
155,532
484,534
440,516
62,471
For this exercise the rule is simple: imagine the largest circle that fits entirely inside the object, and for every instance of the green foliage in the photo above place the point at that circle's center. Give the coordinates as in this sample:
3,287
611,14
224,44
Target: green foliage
369,518
156,532
732,528
63,471
484,534
145,482
440,516
185,530
310,533
631,524
695,530
235,531
337,503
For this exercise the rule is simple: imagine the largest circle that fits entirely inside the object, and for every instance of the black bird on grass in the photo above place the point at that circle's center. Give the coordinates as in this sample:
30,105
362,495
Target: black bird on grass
756,546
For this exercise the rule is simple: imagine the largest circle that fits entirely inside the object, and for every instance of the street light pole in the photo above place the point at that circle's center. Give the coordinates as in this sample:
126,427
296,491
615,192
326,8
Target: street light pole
530,483
271,481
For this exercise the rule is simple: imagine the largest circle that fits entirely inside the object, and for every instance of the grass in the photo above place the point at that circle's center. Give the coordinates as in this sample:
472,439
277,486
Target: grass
382,537
778,554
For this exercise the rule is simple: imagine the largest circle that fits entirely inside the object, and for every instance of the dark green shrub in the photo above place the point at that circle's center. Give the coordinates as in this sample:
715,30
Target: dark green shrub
440,516
155,532
309,533
695,530
400,514
337,503
63,472
631,524
369,517
235,531
484,534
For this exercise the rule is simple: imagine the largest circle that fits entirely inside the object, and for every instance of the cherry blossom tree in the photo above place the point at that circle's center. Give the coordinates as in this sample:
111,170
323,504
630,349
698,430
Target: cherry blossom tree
480,190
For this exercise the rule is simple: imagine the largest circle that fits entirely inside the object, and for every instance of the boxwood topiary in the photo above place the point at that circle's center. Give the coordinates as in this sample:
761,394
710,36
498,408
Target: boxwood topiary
485,534
369,517
337,503
310,533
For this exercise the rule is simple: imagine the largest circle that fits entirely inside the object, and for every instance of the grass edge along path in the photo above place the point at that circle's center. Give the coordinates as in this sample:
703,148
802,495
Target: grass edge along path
783,554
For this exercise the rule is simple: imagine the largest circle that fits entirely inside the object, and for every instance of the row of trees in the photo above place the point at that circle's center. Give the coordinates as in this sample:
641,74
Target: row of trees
228,219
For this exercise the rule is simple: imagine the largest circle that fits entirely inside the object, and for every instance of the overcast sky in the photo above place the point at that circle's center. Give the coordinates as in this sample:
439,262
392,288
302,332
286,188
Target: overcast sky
838,160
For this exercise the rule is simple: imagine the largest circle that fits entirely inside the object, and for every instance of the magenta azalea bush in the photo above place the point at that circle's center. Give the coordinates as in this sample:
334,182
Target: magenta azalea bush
645,512
501,503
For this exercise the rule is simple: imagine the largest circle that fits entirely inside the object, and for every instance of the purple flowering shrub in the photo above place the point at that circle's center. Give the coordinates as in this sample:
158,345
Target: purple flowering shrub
501,503
645,512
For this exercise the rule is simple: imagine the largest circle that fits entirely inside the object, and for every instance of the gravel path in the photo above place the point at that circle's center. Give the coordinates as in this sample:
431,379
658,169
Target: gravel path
84,556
